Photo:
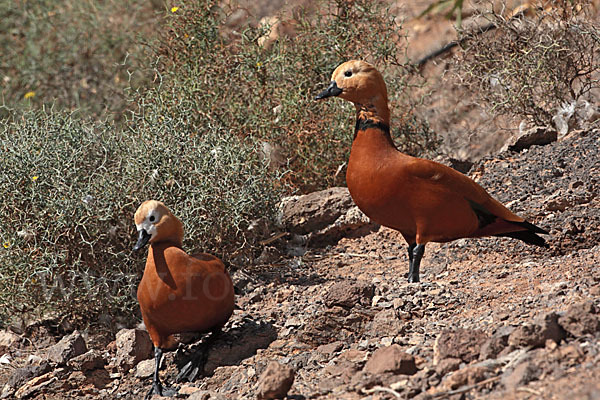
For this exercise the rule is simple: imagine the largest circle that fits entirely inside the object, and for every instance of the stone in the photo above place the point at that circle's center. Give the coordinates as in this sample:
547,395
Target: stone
144,369
464,344
275,381
581,319
22,375
521,375
87,361
492,347
535,335
313,211
447,365
36,384
391,359
348,293
133,346
466,376
326,215
330,348
8,340
535,136
68,347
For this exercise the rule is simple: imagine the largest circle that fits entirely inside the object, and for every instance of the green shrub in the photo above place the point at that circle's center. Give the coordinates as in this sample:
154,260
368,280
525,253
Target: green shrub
266,91
72,54
536,64
69,189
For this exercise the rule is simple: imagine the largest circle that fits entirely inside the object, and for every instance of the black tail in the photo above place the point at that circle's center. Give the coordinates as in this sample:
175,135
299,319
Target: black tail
528,236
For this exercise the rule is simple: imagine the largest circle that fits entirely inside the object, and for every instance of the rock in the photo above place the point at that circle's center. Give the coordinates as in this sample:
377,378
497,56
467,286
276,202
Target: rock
144,369
447,365
87,361
536,334
352,222
22,375
8,340
330,348
581,319
534,136
385,323
68,347
492,347
133,346
391,359
314,211
206,395
348,293
464,344
521,375
36,384
465,376
275,381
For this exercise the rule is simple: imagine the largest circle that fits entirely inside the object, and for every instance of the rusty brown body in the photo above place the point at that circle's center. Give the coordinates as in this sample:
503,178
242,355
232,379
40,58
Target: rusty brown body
424,200
183,293
178,292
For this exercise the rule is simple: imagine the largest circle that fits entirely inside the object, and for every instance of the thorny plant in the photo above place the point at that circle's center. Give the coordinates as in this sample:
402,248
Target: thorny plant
535,63
70,189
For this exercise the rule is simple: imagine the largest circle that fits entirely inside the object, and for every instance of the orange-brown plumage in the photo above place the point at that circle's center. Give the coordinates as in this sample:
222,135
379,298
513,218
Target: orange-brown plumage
178,292
424,200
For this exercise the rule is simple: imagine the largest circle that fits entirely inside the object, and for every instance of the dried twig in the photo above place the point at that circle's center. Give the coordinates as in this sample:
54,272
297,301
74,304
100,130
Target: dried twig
465,389
382,389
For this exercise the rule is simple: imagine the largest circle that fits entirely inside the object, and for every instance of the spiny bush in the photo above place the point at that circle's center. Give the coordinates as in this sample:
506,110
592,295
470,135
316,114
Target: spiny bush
68,191
234,80
536,63
72,54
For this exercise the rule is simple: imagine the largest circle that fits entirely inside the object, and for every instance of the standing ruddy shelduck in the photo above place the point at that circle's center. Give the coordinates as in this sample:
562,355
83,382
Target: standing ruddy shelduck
178,292
423,200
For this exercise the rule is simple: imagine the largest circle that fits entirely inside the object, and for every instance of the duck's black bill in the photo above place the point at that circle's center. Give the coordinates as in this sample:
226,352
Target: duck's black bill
332,90
143,238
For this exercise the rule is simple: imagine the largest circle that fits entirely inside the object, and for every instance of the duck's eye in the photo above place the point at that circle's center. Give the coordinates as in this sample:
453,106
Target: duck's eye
152,218
348,73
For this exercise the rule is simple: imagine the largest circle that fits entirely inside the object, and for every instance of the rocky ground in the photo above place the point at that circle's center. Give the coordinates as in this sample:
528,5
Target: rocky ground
492,318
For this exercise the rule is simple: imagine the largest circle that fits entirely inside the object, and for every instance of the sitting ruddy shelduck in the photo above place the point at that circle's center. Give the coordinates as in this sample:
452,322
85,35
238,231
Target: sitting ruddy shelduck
423,200
178,292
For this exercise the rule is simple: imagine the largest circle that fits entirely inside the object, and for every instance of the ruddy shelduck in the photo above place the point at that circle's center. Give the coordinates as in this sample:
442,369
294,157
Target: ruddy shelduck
178,292
425,201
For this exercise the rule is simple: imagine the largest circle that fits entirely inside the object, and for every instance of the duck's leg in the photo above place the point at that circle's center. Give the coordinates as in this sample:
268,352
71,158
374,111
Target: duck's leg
156,385
195,366
415,253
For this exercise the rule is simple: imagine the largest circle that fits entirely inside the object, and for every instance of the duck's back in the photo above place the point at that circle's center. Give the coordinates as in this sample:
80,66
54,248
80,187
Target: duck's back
420,198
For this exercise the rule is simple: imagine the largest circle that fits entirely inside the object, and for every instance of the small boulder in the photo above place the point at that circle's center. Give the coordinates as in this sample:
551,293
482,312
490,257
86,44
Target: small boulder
466,376
144,369
275,381
87,361
348,293
535,335
391,359
464,344
492,347
521,375
68,347
133,346
535,136
447,365
8,340
581,319
314,211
